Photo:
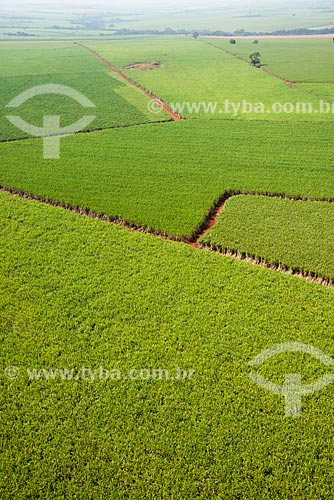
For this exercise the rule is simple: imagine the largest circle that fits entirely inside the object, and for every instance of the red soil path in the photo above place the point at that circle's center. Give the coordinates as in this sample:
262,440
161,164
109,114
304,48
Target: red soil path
211,219
209,225
160,103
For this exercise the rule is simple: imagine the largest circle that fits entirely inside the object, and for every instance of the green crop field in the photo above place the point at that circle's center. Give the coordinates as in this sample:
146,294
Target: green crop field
32,26
195,73
134,174
287,233
307,62
298,60
125,357
41,58
81,293
65,64
325,90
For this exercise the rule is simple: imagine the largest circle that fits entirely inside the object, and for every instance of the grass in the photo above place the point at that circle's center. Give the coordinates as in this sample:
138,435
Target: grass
325,90
40,58
77,292
134,174
286,233
196,72
298,60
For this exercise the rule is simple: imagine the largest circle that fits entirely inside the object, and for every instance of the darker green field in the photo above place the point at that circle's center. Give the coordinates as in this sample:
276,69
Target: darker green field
134,174
116,104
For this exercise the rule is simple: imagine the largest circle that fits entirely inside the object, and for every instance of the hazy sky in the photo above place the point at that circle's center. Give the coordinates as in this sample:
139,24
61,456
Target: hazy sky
139,4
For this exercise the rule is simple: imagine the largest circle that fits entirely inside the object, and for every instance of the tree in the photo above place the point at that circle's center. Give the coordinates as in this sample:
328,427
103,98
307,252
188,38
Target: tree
195,35
233,41
255,59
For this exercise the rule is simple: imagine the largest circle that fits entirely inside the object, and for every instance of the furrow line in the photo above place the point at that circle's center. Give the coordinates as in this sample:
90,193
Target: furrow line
160,102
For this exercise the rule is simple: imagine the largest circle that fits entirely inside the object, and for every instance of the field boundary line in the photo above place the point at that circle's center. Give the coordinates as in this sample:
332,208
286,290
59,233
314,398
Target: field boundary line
218,207
292,84
159,122
116,220
306,275
288,82
194,240
261,120
92,131
160,102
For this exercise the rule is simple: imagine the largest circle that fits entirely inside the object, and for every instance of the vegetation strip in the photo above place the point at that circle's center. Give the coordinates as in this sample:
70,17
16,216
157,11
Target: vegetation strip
162,104
203,229
257,262
298,235
93,215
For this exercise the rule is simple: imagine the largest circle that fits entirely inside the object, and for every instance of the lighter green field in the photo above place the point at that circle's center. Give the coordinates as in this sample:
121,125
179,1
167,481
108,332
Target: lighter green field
298,60
231,18
196,72
286,233
41,58
81,293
